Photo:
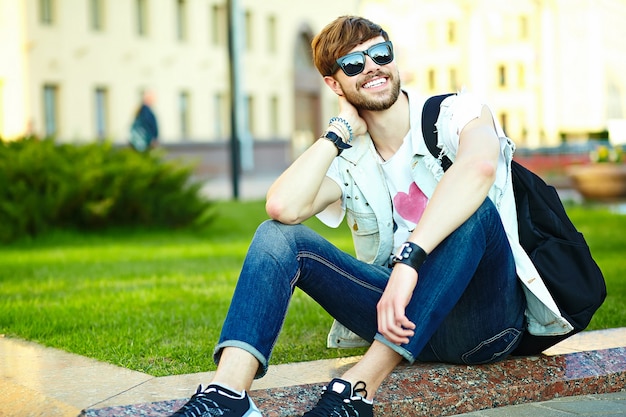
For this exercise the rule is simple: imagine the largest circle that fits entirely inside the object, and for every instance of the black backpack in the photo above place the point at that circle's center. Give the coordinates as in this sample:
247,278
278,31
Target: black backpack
558,251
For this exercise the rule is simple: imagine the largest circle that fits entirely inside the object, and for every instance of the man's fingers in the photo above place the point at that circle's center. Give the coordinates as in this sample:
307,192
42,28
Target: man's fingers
394,330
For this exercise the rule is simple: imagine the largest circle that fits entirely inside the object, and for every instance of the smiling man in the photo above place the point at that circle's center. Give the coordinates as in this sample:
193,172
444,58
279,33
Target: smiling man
437,257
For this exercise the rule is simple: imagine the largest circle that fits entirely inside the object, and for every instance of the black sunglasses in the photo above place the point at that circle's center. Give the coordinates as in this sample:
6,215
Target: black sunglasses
354,63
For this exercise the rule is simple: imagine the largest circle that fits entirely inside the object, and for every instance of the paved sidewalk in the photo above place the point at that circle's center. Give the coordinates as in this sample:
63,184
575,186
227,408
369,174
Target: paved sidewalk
600,405
40,381
250,187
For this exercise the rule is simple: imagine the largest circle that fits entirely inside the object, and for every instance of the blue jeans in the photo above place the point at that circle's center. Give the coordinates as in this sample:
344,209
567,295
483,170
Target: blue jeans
468,305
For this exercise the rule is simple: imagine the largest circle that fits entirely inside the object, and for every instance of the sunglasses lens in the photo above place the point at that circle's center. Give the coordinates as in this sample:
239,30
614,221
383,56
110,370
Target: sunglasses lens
381,54
352,64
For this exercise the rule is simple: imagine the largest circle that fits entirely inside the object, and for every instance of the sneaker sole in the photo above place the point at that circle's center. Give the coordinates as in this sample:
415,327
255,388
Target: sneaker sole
253,413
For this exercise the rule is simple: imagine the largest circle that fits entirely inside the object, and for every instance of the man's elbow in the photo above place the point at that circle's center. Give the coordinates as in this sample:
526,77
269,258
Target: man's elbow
480,170
280,212
486,170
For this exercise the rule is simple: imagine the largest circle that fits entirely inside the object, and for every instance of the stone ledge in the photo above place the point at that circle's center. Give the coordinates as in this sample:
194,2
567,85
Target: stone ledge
445,390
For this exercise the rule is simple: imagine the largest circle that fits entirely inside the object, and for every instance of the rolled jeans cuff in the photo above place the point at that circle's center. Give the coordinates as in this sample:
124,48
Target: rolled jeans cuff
263,363
398,349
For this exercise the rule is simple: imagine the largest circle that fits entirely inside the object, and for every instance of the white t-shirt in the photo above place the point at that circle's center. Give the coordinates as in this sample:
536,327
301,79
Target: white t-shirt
409,202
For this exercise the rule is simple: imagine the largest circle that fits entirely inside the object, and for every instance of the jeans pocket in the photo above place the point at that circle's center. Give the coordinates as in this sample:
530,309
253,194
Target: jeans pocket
494,348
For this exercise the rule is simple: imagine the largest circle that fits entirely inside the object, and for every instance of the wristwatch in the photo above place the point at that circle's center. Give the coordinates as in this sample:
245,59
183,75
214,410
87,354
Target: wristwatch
411,255
337,141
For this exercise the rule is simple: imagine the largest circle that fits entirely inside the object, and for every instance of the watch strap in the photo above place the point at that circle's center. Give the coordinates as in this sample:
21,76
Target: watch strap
410,254
336,140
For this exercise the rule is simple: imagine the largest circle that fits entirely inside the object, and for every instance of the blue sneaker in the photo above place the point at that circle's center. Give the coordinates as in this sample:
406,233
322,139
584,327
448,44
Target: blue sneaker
216,401
339,399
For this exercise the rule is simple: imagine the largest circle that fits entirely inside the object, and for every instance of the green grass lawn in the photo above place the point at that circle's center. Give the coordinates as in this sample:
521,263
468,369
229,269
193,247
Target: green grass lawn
154,300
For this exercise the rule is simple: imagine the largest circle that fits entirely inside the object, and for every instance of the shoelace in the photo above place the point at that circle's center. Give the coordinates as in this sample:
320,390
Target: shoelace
198,399
359,388
331,400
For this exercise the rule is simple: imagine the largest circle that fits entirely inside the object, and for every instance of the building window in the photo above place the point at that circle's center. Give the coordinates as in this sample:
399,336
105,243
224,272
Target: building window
218,25
303,52
451,32
272,35
249,30
46,11
50,110
96,14
274,116
183,110
181,20
432,79
502,76
142,17
101,116
454,82
504,118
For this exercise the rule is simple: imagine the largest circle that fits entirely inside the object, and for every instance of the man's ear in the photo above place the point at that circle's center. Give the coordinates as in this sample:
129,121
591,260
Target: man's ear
334,85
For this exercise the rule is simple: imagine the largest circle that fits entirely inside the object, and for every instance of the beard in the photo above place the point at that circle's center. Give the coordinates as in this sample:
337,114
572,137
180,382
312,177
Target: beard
362,102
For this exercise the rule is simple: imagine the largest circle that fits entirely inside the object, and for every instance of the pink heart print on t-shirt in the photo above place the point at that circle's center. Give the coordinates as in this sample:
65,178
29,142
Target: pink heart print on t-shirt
411,206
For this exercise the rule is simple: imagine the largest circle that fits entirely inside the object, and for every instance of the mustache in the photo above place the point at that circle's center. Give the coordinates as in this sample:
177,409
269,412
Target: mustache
377,74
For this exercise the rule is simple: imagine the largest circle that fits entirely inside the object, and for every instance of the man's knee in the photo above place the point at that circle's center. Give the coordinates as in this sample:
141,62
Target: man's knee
273,235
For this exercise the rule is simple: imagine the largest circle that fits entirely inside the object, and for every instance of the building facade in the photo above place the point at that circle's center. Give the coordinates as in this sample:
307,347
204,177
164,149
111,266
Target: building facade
550,69
76,69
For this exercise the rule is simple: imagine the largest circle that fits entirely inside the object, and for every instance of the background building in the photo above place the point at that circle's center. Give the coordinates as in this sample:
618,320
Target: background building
76,69
552,69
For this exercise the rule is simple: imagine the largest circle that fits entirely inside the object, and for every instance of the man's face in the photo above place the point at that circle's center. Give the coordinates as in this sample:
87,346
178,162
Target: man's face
376,88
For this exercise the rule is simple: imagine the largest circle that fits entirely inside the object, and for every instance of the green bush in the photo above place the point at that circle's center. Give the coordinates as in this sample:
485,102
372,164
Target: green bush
46,185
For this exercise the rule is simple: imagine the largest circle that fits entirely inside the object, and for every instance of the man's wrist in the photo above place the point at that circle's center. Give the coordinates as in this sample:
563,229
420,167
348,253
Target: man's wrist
337,140
343,126
410,254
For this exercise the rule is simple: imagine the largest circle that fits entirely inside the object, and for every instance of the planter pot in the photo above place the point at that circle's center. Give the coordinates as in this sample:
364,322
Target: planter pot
600,181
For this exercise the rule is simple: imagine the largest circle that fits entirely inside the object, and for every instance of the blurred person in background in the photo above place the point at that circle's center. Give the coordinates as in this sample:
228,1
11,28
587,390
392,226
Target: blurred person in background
144,131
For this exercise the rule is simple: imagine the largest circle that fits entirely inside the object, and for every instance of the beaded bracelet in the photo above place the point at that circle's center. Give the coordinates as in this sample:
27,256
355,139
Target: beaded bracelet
345,123
341,128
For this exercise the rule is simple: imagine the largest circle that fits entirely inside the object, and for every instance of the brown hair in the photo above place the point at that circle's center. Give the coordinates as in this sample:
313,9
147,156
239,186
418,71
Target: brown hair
339,37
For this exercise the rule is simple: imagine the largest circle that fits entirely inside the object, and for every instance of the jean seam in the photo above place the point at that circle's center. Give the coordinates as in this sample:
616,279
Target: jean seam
510,330
340,271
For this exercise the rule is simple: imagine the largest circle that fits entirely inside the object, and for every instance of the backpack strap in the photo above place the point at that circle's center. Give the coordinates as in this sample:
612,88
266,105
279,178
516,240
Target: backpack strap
430,114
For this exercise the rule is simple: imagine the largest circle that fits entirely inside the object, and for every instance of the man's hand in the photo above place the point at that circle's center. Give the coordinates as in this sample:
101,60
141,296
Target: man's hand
392,321
350,114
